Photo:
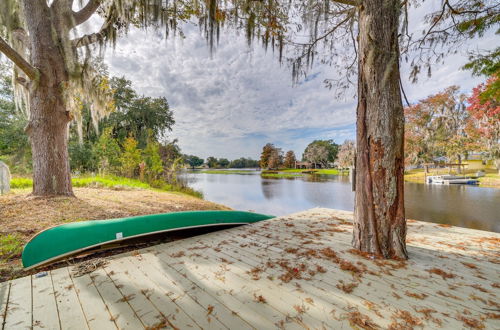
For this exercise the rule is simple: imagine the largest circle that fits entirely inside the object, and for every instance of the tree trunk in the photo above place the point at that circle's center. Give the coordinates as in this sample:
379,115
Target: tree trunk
379,216
49,120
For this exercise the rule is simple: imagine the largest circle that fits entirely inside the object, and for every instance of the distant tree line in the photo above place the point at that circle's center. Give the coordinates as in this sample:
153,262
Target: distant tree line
213,162
323,152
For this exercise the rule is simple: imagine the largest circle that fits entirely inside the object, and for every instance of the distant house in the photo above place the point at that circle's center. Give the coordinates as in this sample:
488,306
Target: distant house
440,160
478,161
301,165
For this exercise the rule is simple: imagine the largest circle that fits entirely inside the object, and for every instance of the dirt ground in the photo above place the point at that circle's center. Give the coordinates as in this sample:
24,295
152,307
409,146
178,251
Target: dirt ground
22,215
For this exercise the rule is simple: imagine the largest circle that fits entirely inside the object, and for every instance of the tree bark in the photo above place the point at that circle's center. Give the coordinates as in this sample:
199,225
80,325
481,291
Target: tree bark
379,215
49,120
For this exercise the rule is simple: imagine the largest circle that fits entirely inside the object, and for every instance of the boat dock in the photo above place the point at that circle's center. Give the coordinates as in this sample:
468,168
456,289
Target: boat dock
291,272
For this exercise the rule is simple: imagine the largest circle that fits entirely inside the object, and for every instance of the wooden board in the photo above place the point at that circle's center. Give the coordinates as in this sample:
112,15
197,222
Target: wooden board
4,298
97,314
18,315
70,311
45,313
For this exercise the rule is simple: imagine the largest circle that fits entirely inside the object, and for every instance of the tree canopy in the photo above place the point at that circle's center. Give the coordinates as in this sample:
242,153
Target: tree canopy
321,152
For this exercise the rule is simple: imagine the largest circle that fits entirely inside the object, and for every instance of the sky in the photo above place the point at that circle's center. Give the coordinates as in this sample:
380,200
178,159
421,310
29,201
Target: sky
232,103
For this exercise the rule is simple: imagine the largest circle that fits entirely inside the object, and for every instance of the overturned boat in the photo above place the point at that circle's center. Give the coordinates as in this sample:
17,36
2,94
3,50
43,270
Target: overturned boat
70,239
450,179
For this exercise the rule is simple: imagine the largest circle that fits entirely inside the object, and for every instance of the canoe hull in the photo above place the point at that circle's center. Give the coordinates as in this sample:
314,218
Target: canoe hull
69,239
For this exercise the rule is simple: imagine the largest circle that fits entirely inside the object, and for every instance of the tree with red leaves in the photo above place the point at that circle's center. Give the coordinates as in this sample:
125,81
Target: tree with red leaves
484,110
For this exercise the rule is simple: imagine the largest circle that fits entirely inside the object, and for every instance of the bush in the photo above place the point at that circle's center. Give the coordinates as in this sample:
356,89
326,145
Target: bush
20,183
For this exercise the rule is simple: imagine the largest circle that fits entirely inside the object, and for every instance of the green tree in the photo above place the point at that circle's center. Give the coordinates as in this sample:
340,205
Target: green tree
107,152
244,163
82,157
139,116
152,158
212,162
193,161
321,151
131,157
223,162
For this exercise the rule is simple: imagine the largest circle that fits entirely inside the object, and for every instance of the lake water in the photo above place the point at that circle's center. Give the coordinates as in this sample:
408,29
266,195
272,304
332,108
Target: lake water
459,205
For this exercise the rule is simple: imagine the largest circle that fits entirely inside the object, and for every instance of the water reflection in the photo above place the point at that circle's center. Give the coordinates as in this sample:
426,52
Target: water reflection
464,206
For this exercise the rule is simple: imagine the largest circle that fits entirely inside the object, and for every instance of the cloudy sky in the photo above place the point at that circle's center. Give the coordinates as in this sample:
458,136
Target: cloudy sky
232,103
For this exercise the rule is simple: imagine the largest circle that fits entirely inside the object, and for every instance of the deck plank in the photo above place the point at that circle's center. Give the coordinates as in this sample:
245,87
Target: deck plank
419,275
19,308
45,314
118,306
187,294
96,312
324,294
4,298
151,306
408,276
368,292
240,296
70,311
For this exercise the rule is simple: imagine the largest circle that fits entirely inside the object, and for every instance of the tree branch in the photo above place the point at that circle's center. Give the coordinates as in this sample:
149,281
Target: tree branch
23,82
92,38
353,3
84,14
87,39
18,60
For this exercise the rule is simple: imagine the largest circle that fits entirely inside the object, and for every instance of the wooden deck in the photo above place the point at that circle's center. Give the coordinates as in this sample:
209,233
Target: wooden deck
292,272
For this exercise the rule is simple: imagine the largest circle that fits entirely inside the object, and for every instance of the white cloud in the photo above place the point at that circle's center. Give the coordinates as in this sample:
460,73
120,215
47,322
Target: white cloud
232,103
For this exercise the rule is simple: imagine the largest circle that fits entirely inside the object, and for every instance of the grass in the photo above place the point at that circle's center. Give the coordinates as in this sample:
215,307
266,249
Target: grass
21,183
227,172
332,171
281,175
490,180
328,171
111,182
11,246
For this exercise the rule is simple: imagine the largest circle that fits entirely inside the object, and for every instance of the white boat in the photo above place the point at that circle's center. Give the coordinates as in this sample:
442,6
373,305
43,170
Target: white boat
450,179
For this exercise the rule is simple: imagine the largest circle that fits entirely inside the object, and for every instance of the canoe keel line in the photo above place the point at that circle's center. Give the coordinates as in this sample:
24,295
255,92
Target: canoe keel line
70,239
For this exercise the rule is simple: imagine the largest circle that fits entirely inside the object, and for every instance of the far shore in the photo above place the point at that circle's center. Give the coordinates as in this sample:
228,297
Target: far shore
278,173
490,180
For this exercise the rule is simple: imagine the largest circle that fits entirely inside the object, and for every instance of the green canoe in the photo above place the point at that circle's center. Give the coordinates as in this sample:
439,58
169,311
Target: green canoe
72,238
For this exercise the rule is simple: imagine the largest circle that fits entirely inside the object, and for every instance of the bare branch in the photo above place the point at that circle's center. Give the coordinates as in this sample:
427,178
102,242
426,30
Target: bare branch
353,3
92,38
23,82
18,60
84,14
311,45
